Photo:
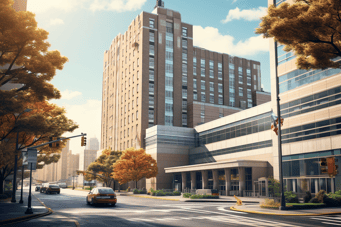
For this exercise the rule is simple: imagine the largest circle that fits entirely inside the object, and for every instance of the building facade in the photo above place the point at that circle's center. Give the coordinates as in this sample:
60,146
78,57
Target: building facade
237,153
153,75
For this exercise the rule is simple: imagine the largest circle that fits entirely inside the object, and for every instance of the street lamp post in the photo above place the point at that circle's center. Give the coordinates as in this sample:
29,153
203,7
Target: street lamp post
282,207
22,183
16,159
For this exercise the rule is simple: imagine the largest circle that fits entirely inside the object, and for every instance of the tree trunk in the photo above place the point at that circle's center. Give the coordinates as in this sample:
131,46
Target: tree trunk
114,185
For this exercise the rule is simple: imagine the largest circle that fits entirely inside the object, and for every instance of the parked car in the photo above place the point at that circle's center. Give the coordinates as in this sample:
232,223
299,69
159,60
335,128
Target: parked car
50,188
62,185
38,186
101,195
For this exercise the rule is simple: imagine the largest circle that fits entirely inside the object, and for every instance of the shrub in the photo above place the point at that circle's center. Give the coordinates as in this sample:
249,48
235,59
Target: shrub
142,191
320,196
128,189
3,196
187,195
290,197
204,197
135,191
307,197
330,202
177,193
168,193
338,192
160,193
314,200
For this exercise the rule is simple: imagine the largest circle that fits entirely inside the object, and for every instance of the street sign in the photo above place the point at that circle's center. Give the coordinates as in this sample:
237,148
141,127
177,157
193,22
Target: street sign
32,155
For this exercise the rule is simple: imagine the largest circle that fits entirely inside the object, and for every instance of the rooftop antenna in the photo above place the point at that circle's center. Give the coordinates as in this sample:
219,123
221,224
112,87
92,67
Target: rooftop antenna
159,3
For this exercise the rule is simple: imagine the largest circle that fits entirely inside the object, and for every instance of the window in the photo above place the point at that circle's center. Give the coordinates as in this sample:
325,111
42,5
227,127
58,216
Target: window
138,75
203,72
169,27
211,98
184,105
137,88
202,63
151,23
241,91
220,66
184,43
151,115
249,103
184,55
137,115
194,70
151,49
184,119
203,97
194,61
195,96
195,84
211,64
220,88
211,74
220,75
132,118
220,99
151,88
184,31
249,96
151,75
232,102
184,80
240,79
184,69
151,101
151,62
138,62
202,85
151,36
211,86
184,93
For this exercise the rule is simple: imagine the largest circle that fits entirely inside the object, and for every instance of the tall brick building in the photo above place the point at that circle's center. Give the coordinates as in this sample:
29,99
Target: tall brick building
153,75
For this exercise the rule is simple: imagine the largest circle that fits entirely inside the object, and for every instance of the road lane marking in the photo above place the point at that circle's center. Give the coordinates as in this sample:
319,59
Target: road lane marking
329,223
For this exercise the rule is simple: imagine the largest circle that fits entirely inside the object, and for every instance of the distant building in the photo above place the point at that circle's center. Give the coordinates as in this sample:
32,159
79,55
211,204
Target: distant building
93,144
85,159
20,5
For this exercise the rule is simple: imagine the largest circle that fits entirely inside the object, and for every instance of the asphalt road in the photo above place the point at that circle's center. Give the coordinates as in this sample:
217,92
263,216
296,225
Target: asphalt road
70,206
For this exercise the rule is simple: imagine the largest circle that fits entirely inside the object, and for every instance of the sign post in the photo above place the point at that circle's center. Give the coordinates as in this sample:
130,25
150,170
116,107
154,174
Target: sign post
32,160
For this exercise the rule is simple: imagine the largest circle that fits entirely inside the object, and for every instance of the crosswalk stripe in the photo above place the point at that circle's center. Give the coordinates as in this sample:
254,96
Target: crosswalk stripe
325,219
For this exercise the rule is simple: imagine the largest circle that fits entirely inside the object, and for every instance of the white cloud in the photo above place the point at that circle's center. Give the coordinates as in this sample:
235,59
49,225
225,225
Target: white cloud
39,6
70,94
117,5
246,14
234,1
56,21
88,117
210,38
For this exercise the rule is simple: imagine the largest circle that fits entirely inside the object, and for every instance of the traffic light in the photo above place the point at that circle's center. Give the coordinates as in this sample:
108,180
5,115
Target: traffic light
323,165
83,141
54,145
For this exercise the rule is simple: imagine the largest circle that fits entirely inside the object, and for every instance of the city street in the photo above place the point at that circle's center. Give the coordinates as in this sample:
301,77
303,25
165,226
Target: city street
70,206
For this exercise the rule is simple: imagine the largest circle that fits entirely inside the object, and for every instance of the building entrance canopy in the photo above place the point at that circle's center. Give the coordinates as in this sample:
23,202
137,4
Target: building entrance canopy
217,165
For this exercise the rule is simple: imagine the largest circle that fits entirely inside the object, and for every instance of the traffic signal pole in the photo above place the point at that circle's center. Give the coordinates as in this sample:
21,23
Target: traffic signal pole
60,139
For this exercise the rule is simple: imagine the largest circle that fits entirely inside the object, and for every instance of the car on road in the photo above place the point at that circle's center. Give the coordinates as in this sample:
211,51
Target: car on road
62,185
101,195
38,186
50,188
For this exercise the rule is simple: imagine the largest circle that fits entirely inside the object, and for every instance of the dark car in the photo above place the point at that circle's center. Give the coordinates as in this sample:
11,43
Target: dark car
50,188
37,188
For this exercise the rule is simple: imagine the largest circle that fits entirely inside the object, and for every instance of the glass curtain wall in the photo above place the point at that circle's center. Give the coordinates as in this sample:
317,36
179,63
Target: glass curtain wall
169,100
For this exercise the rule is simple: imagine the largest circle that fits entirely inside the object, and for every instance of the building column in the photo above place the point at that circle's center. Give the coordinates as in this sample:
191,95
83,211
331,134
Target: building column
227,181
215,179
193,180
266,187
241,171
204,174
184,181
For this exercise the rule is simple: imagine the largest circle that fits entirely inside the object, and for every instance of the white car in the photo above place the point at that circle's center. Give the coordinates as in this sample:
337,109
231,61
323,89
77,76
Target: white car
62,185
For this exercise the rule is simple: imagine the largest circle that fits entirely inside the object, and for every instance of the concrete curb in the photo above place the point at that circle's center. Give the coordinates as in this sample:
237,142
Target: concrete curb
27,217
215,201
266,213
148,197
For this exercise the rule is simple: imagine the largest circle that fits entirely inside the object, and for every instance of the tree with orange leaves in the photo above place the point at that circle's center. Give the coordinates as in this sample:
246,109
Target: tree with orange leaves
310,28
32,128
133,165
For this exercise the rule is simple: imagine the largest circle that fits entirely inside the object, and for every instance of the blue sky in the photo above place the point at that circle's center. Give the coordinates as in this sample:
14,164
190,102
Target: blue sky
83,29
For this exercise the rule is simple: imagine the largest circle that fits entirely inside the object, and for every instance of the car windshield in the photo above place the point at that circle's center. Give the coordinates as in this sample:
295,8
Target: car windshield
106,191
54,186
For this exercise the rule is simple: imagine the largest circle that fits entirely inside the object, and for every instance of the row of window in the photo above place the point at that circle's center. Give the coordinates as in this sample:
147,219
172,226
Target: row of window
310,131
307,105
235,131
230,150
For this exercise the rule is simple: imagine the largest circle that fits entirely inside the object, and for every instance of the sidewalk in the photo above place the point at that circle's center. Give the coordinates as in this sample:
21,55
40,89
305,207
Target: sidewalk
15,212
256,209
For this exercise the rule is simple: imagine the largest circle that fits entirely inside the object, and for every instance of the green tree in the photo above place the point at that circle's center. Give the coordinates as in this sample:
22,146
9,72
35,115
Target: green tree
311,28
134,165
